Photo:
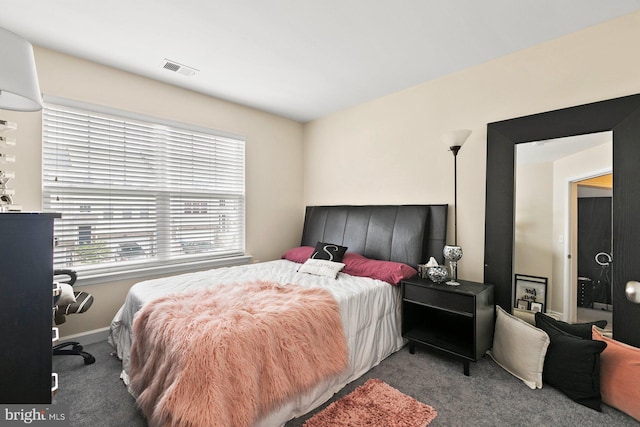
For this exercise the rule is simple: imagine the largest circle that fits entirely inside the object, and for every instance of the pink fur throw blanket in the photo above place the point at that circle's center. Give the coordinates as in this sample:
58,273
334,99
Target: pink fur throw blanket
228,355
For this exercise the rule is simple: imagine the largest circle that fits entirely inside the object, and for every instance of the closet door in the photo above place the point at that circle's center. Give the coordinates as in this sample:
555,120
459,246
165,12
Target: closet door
594,237
26,275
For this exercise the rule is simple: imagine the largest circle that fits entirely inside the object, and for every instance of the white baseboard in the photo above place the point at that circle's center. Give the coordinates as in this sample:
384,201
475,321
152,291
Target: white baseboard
89,337
555,314
601,306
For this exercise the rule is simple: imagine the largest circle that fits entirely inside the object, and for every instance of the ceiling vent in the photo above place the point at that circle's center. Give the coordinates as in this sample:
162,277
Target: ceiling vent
176,67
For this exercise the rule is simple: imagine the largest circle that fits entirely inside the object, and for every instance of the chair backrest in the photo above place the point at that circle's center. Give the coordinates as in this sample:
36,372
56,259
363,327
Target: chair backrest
65,276
75,301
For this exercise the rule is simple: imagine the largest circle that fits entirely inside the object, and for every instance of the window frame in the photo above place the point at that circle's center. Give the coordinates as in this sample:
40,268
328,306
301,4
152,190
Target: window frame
158,266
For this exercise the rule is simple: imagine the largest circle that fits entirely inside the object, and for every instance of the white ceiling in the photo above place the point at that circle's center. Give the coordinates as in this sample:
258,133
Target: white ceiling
301,59
550,150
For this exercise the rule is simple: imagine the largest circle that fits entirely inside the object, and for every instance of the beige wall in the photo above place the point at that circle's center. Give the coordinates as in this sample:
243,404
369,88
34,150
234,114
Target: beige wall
274,190
533,249
389,150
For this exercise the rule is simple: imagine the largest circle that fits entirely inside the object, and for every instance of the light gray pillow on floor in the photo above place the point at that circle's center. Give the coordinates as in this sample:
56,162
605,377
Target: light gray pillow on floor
519,348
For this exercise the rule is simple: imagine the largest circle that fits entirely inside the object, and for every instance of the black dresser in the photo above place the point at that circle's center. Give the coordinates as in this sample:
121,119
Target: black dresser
26,276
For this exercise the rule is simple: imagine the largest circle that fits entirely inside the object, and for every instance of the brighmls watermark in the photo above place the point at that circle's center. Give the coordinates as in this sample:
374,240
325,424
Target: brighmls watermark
36,415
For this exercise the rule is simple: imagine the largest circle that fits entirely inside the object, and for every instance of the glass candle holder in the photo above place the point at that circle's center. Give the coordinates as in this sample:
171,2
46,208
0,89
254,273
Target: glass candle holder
438,274
453,254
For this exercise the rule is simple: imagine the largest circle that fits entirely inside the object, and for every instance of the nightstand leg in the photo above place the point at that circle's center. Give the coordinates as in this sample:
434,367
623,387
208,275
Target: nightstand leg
466,367
412,348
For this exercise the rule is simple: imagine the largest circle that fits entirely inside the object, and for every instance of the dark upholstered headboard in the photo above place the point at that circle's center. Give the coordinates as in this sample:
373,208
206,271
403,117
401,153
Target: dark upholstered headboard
405,233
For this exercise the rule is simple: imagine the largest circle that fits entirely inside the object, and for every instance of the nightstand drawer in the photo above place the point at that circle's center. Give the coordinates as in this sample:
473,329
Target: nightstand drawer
441,299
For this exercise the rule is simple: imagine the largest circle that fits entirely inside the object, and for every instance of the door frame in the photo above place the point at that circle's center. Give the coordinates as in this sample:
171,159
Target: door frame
570,288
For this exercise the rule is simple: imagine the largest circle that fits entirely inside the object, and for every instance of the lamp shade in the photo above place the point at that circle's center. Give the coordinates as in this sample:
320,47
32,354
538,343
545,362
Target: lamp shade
456,138
19,88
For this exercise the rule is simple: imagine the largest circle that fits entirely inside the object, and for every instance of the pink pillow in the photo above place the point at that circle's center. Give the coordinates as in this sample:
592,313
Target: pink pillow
388,271
619,375
299,254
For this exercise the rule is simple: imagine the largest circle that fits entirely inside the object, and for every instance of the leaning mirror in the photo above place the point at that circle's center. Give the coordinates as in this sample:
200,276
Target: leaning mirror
562,222
619,115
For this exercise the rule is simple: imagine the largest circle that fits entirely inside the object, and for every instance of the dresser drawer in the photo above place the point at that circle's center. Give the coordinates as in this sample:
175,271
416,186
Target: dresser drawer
440,299
55,336
54,383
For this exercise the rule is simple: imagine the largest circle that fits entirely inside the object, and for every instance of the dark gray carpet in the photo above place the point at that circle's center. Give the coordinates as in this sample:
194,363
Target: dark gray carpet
489,397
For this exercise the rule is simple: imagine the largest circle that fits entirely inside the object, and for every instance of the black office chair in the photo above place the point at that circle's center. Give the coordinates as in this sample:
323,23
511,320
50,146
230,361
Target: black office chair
83,301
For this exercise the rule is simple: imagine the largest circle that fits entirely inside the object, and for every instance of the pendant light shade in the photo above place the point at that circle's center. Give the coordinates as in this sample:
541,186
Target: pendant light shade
19,88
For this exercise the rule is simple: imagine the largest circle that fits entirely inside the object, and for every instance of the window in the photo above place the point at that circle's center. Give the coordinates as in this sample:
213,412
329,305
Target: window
135,194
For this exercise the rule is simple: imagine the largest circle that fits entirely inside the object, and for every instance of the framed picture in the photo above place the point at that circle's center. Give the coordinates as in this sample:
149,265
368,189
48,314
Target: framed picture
523,304
532,289
537,306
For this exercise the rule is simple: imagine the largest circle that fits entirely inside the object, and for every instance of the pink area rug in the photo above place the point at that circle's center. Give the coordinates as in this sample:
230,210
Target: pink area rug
374,403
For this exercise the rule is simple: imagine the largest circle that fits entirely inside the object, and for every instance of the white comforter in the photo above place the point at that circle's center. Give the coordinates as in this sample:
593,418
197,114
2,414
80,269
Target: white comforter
370,311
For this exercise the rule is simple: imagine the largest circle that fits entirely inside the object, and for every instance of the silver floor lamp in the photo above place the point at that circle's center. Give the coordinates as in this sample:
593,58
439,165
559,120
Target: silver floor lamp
453,253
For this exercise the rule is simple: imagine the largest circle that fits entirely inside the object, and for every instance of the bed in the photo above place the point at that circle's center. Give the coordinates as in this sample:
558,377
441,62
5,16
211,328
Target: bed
369,308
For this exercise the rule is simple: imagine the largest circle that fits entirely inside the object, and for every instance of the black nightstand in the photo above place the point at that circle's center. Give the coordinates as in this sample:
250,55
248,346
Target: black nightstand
458,320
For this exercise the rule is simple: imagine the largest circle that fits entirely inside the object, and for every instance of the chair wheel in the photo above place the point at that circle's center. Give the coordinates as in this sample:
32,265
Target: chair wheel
89,360
77,347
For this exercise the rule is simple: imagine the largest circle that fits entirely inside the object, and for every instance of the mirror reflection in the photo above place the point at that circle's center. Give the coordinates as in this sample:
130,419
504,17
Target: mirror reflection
563,196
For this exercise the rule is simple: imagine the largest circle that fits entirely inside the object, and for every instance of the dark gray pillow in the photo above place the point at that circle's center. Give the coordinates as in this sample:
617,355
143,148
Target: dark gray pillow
329,251
572,365
582,330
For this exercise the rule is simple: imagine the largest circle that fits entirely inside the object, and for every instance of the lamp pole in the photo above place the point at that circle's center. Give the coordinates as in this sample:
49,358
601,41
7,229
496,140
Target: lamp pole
453,254
454,149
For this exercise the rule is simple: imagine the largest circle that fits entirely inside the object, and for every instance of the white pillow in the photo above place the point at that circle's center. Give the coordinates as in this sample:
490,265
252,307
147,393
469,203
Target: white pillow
530,316
321,267
519,348
66,295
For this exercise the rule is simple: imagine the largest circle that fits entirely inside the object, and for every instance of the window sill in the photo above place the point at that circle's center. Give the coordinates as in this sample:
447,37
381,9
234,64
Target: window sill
149,272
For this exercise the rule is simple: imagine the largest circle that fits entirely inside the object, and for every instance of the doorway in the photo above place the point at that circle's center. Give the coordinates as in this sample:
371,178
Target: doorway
593,258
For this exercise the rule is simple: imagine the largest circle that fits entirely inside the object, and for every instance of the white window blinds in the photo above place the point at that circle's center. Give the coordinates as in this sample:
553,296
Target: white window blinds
137,194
